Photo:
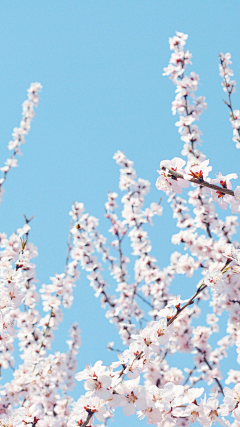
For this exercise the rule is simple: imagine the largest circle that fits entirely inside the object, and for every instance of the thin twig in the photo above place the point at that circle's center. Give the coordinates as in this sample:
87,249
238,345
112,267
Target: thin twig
207,224
191,300
144,300
210,367
189,375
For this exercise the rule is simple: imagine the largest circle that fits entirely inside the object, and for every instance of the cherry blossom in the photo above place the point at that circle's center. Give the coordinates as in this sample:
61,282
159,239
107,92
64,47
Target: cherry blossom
198,171
18,133
166,181
229,86
134,292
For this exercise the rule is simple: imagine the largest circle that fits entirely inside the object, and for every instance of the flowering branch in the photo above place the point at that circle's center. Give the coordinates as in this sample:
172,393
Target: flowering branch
38,392
190,302
19,133
229,86
210,367
199,181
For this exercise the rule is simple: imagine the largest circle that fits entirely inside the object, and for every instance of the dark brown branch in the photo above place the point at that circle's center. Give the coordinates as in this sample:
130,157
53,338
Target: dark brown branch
199,182
190,302
90,414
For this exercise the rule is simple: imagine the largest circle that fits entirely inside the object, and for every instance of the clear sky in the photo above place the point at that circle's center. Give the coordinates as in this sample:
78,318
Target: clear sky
100,63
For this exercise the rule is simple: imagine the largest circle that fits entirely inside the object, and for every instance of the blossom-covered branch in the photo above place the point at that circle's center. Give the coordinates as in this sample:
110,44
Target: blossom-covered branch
19,133
229,86
143,378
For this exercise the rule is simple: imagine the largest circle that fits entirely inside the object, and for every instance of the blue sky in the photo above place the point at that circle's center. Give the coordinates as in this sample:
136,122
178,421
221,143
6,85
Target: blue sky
100,64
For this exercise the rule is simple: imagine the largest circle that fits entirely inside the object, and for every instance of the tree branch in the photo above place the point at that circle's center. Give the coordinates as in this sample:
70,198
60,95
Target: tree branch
199,182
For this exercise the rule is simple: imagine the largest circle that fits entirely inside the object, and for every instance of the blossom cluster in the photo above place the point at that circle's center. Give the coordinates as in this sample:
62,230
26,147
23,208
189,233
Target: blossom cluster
156,328
229,86
20,132
173,178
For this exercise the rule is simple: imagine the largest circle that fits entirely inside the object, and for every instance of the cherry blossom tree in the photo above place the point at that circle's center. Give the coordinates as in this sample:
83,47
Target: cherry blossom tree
142,380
